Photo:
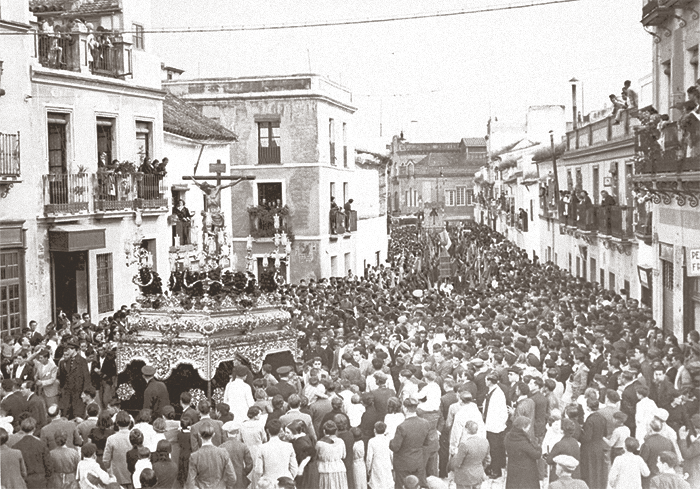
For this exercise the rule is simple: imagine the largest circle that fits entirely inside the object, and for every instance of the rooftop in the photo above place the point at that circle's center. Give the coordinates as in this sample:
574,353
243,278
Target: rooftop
185,120
83,7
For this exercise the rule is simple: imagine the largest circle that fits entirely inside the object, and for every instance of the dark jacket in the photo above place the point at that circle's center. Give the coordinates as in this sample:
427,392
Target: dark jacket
523,456
410,443
155,397
14,405
37,459
594,468
241,459
37,408
566,446
381,399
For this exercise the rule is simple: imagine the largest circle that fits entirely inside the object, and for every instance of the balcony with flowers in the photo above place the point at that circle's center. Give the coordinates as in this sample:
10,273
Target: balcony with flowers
267,221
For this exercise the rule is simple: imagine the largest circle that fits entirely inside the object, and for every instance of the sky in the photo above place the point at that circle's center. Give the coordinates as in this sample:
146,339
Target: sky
447,74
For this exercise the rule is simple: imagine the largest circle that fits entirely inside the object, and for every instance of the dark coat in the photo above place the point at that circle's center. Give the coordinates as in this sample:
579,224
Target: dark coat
37,460
594,469
166,474
566,446
73,380
369,418
381,399
14,405
37,408
285,389
653,445
241,459
155,397
410,443
522,461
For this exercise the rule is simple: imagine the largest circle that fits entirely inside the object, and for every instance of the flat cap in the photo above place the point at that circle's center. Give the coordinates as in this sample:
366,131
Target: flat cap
566,461
284,370
148,370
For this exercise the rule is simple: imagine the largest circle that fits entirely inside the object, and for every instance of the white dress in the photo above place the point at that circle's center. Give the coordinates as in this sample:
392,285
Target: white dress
379,463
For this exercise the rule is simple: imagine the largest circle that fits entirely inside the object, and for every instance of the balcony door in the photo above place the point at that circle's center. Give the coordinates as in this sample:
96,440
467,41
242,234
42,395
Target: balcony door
57,144
70,282
270,194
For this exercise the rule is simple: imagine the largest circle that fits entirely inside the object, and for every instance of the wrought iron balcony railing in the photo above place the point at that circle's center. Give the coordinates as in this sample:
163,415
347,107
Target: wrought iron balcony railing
9,155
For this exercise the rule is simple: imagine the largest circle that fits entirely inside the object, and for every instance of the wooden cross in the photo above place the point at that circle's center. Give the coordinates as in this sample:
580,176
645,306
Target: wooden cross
219,168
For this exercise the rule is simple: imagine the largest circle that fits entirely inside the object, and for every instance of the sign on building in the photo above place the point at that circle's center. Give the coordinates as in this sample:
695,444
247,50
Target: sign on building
694,263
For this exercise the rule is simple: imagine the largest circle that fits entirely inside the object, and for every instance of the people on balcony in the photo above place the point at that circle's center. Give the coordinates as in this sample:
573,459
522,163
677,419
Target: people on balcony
348,209
584,206
335,210
606,200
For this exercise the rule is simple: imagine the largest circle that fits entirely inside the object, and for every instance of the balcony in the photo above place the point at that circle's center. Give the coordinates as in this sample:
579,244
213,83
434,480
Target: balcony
585,222
72,193
73,52
265,223
601,131
9,156
656,12
667,150
269,155
66,193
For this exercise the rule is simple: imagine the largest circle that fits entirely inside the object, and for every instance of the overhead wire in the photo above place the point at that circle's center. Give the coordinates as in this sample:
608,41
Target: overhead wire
335,23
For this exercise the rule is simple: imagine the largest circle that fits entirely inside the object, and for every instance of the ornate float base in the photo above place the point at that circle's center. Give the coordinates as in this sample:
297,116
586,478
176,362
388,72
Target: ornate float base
204,339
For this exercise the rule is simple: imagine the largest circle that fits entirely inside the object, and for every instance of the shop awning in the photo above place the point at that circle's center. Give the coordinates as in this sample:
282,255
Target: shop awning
76,238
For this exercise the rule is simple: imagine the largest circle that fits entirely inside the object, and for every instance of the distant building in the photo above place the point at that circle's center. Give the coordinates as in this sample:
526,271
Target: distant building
434,178
295,136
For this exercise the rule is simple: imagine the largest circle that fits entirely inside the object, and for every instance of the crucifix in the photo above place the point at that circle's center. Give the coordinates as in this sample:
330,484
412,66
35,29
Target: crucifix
213,217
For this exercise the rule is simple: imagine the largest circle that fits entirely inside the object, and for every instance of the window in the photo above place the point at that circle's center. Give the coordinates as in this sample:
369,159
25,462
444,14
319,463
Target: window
332,189
270,193
596,185
331,139
450,197
667,274
627,287
345,144
269,143
143,141
470,197
346,192
693,60
105,289
334,266
137,36
611,281
594,266
105,138
579,179
602,278
57,142
10,296
549,253
461,196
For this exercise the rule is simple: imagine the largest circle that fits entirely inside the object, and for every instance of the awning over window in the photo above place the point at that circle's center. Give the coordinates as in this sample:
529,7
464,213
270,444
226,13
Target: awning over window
76,238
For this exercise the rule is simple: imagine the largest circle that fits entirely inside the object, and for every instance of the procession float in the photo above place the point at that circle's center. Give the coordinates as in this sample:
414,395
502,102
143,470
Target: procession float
207,318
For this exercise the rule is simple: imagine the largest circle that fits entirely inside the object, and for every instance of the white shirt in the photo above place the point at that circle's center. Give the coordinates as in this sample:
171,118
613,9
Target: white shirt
432,394
466,412
496,416
645,414
239,396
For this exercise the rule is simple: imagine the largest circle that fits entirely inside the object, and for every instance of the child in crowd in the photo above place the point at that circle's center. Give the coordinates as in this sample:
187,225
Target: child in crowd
379,459
628,469
144,462
359,471
616,442
357,409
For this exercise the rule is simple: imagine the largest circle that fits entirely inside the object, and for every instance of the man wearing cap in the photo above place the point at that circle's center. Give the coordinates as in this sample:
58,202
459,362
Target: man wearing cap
74,377
466,411
409,445
239,453
285,388
238,395
566,465
155,397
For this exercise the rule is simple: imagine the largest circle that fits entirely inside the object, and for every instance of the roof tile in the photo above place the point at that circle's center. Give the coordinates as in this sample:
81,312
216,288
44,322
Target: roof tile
183,119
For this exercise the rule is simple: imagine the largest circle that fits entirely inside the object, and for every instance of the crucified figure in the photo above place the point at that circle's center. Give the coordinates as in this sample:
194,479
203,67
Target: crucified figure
213,218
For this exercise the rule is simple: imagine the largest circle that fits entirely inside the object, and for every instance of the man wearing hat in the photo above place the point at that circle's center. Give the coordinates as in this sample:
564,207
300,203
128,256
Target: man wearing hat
566,465
285,388
409,444
239,453
74,377
155,397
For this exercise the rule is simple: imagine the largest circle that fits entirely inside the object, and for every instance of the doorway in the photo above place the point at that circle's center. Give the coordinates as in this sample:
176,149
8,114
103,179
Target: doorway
70,282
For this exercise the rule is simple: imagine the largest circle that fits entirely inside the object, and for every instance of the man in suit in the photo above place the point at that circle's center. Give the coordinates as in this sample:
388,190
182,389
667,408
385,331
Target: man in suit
210,466
382,393
218,434
283,386
276,457
239,453
56,424
187,409
294,413
471,458
13,402
22,369
446,401
36,456
410,444
45,376
13,472
35,404
155,397
74,377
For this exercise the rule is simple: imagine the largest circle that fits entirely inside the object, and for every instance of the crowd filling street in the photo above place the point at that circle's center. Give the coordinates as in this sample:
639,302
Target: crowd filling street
495,371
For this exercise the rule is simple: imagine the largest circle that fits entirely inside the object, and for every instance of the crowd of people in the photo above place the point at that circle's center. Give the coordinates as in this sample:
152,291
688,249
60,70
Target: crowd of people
519,375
